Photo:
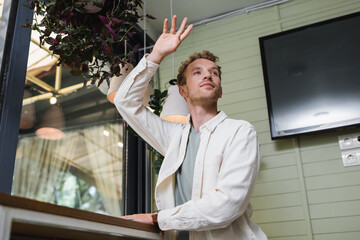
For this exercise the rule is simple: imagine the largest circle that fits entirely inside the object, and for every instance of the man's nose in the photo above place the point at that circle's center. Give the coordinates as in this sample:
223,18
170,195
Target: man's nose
207,75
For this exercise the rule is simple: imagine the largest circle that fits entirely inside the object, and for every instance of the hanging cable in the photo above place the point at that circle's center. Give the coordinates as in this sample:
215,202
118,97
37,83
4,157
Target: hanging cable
125,47
144,7
171,9
173,54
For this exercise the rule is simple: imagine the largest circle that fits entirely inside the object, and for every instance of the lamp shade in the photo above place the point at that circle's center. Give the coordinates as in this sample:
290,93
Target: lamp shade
175,108
51,124
117,81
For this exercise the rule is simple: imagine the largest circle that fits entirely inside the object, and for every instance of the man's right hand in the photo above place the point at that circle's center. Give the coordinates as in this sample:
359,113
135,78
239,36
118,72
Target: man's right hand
169,42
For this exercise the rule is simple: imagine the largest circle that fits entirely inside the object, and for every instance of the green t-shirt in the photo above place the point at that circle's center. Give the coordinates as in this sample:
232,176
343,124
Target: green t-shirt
185,174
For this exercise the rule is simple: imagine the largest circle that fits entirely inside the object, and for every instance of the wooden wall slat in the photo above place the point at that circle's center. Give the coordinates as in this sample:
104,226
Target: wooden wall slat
336,225
276,201
285,229
301,237
334,194
333,180
277,174
337,236
331,166
273,188
279,215
336,209
281,160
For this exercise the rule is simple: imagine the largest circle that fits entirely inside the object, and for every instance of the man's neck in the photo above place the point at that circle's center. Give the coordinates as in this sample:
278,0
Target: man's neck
200,115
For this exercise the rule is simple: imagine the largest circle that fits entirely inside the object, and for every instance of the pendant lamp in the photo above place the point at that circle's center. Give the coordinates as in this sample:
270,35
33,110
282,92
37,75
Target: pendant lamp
175,108
52,123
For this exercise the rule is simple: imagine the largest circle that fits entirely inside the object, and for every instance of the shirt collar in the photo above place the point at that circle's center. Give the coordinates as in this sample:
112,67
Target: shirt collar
212,123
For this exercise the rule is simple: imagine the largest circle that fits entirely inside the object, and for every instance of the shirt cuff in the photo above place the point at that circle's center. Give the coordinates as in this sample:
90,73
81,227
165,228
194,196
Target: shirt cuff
169,219
150,63
164,219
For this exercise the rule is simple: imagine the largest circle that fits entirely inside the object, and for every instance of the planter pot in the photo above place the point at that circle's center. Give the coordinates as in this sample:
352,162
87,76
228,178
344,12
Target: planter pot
117,81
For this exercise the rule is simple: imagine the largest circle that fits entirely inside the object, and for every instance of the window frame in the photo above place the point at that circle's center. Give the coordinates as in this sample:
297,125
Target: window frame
12,74
13,64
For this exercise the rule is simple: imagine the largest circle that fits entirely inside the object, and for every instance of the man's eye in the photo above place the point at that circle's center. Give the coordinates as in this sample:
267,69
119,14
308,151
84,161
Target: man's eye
214,73
197,72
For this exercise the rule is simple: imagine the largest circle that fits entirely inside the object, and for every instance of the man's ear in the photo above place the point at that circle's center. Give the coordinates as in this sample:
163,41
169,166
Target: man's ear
183,91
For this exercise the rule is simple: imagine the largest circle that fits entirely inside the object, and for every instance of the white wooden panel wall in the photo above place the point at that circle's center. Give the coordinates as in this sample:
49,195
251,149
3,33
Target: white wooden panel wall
303,190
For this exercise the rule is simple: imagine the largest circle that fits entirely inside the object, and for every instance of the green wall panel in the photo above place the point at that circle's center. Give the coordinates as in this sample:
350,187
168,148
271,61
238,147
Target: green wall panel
303,190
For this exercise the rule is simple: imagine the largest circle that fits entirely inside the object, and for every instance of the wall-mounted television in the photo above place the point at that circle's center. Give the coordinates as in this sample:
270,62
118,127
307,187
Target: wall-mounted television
312,77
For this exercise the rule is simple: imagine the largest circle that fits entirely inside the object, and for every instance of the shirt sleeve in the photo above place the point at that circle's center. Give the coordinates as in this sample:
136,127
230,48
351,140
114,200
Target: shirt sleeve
128,101
231,196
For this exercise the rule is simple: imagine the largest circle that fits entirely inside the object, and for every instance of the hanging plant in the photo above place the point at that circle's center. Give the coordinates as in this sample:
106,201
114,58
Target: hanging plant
85,39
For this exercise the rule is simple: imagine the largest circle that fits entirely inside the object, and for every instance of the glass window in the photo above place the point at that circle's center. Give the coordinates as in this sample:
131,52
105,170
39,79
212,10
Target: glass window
70,147
1,7
3,26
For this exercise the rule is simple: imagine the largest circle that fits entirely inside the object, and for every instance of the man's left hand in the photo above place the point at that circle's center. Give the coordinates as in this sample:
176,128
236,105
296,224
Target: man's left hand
147,218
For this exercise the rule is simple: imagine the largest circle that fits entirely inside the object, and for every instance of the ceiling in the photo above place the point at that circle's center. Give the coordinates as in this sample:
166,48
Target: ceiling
195,11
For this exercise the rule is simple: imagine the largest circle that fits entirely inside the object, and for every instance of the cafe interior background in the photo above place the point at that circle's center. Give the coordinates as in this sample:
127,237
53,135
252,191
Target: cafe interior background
73,149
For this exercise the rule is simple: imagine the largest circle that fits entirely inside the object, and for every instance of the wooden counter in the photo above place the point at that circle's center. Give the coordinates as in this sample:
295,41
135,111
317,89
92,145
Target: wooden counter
22,218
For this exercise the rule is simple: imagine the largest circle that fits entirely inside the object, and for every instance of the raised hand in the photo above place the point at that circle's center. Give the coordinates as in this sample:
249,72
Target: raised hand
167,43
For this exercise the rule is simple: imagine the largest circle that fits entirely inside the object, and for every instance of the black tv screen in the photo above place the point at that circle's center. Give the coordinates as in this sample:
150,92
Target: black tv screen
312,77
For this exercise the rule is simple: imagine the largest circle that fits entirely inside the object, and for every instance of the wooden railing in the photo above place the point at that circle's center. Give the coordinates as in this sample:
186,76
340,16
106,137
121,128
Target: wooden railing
21,217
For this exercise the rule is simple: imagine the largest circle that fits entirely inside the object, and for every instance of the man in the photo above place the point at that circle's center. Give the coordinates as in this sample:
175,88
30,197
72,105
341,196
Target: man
211,163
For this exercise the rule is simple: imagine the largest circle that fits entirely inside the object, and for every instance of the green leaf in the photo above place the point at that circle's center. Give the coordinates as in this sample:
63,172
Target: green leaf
153,106
156,165
157,92
164,94
98,3
154,98
49,4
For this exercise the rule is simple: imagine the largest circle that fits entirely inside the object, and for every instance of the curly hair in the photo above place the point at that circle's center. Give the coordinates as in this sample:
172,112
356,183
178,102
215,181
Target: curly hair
181,80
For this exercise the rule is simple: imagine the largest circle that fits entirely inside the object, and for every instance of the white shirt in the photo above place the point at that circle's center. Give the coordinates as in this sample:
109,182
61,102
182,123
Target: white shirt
226,166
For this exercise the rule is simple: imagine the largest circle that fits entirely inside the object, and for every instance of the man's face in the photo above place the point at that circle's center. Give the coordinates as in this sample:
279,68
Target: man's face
203,83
